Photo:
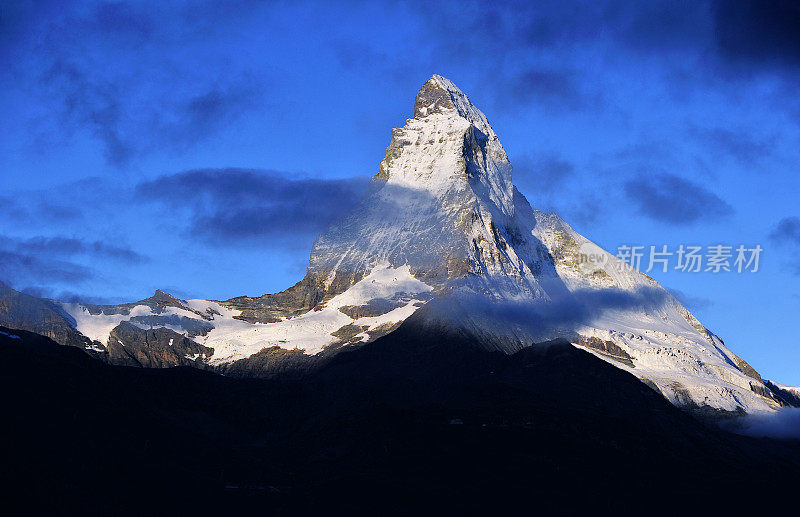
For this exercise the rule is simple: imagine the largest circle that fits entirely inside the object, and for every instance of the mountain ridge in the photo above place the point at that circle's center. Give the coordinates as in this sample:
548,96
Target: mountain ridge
443,236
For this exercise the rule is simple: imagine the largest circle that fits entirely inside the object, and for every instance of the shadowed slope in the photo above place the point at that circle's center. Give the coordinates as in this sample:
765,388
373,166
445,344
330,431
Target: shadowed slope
405,419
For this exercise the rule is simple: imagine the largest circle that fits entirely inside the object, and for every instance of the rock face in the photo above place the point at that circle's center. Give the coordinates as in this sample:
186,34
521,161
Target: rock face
443,237
44,317
157,347
787,395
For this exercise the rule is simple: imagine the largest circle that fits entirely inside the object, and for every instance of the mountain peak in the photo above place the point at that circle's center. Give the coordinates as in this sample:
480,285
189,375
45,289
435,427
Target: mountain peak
448,147
440,95
436,96
164,298
445,231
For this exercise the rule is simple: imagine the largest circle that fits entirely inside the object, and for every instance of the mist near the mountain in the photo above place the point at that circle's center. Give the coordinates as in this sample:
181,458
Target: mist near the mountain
559,316
583,305
782,424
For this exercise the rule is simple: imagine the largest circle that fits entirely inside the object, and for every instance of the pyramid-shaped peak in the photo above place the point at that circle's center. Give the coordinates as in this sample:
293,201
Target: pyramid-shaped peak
449,144
164,298
437,95
440,95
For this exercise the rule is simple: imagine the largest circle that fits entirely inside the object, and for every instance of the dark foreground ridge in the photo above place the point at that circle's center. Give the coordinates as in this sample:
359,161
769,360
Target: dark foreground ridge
420,421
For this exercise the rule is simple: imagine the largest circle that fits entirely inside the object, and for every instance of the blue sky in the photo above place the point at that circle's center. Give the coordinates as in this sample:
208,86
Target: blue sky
199,147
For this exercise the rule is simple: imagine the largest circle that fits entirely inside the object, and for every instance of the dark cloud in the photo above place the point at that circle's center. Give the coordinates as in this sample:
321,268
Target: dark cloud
549,181
107,108
85,101
527,48
657,25
739,34
207,113
18,267
585,211
660,154
486,27
72,246
355,55
758,33
695,303
586,304
242,205
58,211
787,232
695,41
124,22
68,296
741,145
17,18
13,209
546,173
554,88
674,200
478,29
644,26
112,70
51,259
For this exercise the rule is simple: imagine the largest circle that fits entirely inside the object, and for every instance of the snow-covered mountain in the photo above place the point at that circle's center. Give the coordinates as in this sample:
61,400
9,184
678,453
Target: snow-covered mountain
443,236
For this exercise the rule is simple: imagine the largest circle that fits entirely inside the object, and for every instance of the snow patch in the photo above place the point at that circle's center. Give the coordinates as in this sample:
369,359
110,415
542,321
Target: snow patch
97,327
234,339
791,389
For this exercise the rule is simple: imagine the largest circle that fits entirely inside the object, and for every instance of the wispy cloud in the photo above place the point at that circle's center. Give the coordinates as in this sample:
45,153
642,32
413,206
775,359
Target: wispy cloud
35,260
85,101
786,235
550,181
565,311
671,199
752,33
70,296
781,424
559,89
787,232
127,126
109,70
244,205
695,303
547,172
19,269
60,246
739,144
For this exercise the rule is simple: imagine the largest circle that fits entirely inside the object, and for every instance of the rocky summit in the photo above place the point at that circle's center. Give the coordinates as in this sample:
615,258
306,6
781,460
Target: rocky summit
442,239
